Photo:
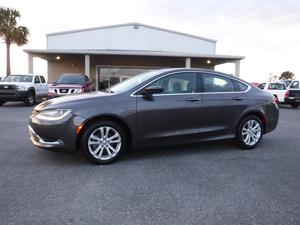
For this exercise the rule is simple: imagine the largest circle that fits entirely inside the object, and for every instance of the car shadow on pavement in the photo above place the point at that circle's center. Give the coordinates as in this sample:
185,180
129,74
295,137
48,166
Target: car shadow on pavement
180,150
206,148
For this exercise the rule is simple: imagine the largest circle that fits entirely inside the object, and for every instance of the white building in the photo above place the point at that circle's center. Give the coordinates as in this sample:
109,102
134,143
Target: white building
113,53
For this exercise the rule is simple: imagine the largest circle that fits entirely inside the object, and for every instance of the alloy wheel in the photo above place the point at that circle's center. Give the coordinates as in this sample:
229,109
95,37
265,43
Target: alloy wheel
251,132
104,143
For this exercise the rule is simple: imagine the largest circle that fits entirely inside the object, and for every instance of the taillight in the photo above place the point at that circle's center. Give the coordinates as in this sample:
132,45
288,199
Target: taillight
275,100
287,93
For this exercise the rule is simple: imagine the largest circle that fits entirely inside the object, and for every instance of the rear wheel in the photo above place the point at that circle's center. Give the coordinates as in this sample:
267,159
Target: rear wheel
2,102
103,142
295,105
30,99
250,132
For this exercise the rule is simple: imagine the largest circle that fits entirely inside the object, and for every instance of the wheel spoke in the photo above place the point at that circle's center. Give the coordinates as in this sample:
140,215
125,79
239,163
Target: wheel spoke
95,137
111,148
115,141
247,139
107,131
116,135
101,132
96,150
108,151
257,126
101,152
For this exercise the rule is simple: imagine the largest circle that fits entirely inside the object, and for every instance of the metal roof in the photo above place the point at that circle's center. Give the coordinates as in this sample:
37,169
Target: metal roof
131,24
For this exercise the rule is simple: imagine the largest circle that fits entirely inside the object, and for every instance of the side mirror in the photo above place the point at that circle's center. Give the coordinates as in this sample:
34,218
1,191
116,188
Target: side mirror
152,90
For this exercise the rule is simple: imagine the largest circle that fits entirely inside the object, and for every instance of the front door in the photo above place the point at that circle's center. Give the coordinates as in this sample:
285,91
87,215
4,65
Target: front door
176,112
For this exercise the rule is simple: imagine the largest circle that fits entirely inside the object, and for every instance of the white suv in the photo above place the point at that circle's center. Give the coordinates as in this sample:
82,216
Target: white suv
23,87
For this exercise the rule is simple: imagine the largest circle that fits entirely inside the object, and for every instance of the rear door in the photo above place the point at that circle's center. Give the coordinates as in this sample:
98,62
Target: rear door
174,113
44,86
224,101
38,86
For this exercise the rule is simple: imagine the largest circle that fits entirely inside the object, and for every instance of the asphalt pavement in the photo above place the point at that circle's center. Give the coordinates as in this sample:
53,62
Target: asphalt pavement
206,183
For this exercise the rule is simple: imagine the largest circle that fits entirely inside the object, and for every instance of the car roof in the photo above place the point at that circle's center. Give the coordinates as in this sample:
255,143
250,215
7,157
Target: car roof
202,70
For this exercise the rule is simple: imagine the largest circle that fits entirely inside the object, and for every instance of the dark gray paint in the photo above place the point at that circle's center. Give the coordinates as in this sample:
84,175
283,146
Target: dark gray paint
165,119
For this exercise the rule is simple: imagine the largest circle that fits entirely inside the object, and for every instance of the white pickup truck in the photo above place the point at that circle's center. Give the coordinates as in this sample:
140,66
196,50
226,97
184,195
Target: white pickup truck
23,87
288,96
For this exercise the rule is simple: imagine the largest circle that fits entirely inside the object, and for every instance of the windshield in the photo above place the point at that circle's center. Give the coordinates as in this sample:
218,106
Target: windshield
134,81
70,79
276,86
18,78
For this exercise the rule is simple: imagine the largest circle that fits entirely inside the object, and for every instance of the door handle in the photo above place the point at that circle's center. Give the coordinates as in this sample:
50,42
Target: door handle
237,99
192,100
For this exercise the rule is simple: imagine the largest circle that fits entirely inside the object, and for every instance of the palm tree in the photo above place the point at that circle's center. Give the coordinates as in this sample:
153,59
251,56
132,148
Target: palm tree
10,32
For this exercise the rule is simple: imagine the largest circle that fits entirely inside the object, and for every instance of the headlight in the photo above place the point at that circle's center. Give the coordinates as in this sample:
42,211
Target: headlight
21,88
53,114
77,90
51,90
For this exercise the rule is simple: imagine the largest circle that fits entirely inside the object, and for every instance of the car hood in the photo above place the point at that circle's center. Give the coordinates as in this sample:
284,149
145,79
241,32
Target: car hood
69,100
66,86
16,83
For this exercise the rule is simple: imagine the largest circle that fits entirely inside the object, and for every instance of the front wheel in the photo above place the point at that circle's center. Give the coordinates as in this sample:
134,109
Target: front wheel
103,142
249,132
295,105
30,99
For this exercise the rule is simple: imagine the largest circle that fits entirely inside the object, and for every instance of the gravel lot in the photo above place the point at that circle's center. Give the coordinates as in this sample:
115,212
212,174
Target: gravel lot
208,183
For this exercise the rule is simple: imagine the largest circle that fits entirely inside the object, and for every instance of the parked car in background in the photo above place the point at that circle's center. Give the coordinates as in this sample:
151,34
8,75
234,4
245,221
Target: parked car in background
169,106
290,96
23,87
70,83
255,84
293,95
277,89
287,82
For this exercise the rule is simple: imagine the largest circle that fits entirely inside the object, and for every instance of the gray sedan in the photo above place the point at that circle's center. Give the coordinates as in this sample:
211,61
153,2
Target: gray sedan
161,107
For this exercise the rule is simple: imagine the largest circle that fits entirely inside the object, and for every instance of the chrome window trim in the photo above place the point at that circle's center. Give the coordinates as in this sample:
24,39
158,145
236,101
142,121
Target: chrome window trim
193,71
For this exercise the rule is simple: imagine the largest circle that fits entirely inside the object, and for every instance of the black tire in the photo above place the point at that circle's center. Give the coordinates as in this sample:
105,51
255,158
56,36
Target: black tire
93,129
295,105
241,137
30,99
2,103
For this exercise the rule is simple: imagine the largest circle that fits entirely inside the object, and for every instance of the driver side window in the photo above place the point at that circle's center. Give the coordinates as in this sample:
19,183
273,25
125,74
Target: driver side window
177,83
37,80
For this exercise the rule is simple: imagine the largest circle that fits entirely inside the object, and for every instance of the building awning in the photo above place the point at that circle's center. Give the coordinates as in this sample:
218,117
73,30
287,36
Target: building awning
221,58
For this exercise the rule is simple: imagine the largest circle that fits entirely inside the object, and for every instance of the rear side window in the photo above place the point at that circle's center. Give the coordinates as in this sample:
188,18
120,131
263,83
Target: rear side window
240,86
43,79
276,86
295,84
215,83
262,86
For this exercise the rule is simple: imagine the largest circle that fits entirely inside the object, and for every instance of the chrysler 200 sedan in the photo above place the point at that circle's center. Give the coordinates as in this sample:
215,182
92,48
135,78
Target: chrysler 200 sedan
160,107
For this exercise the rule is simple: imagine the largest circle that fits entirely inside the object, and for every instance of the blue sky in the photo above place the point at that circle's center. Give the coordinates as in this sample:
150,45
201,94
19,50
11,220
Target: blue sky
265,32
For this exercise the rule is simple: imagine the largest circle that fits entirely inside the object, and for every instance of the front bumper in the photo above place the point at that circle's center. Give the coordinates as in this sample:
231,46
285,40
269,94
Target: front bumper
13,95
60,135
40,142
